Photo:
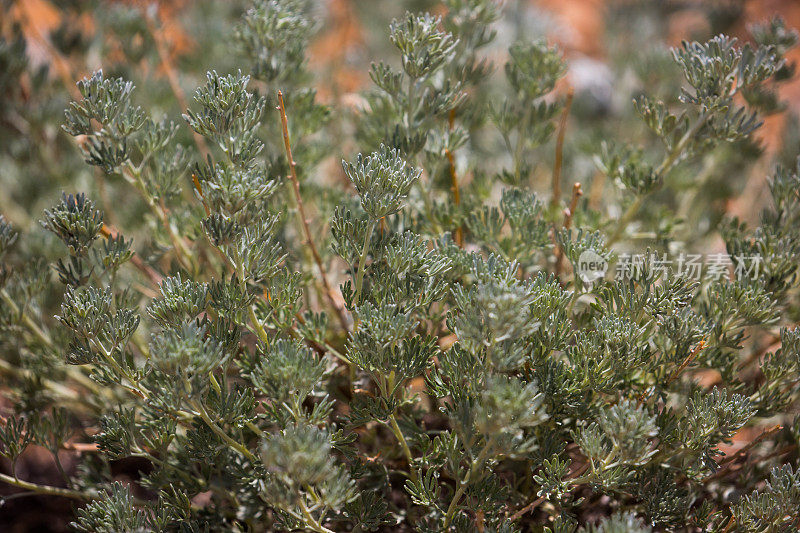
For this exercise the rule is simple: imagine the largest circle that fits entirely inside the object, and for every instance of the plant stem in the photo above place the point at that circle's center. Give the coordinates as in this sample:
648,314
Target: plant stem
454,177
154,277
304,220
676,152
569,213
456,194
224,436
143,350
165,464
362,263
60,64
260,331
625,219
310,521
574,476
181,251
108,356
43,337
750,445
47,489
65,394
662,169
462,484
172,77
562,127
404,444
134,176
577,192
410,101
531,506
689,358
60,467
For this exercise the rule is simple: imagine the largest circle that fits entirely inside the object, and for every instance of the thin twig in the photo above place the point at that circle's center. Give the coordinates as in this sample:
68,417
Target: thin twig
133,175
57,60
569,213
727,463
172,77
778,453
730,524
302,213
149,272
750,445
47,489
451,119
536,503
456,193
773,345
678,371
666,165
362,263
685,363
182,252
596,190
398,433
562,126
239,447
528,508
461,484
480,521
556,179
81,447
199,189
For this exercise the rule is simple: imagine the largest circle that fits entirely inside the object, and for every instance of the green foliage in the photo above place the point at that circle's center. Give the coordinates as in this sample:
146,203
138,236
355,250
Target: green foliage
75,221
382,180
415,343
274,33
772,508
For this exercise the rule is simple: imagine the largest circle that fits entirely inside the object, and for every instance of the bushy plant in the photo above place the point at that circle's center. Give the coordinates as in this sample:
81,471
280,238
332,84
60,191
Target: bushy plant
437,339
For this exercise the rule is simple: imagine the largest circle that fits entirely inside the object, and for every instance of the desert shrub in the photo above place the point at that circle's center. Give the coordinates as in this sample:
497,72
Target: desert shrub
434,337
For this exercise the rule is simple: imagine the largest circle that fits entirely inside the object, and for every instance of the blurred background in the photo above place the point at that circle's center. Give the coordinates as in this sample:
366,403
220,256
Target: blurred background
616,49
